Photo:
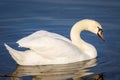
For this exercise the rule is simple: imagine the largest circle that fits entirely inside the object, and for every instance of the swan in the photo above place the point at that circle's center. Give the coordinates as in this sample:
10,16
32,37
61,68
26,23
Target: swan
51,48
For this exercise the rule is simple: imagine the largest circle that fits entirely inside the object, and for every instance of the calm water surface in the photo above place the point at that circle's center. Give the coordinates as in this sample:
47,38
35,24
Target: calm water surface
19,18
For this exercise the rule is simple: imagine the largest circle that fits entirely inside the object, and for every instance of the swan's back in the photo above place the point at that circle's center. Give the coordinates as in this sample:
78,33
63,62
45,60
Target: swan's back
25,42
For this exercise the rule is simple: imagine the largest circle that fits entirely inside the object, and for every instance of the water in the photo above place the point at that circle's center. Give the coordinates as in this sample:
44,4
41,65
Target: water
19,18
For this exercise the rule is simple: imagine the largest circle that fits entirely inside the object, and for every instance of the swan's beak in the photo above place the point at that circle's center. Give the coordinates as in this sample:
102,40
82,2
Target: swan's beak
100,34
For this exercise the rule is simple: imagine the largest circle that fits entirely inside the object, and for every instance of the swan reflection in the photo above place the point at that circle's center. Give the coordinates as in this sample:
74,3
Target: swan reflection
55,72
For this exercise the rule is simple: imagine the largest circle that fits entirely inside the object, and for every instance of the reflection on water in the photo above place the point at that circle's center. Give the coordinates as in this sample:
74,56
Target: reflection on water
72,71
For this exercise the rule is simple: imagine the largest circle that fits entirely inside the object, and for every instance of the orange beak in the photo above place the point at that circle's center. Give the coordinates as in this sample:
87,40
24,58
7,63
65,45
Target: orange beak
100,34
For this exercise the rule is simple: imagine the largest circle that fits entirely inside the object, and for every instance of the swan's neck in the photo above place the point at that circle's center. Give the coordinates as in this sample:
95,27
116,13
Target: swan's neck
81,44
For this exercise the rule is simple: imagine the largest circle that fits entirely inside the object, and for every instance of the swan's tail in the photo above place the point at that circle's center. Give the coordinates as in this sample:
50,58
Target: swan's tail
16,55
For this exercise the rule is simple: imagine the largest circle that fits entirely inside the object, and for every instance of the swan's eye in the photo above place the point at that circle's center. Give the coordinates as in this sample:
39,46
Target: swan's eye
99,29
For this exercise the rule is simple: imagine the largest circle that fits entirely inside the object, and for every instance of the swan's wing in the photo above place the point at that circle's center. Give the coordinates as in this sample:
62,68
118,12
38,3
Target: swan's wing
52,48
37,35
50,45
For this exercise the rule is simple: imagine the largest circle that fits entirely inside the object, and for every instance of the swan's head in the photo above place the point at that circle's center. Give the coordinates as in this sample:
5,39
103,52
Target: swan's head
93,26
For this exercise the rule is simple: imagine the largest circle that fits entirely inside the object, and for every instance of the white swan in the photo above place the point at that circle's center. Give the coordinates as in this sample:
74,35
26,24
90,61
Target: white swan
51,48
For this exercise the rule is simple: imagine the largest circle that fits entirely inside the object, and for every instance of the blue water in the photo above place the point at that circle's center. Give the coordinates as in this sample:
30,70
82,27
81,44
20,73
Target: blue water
19,18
